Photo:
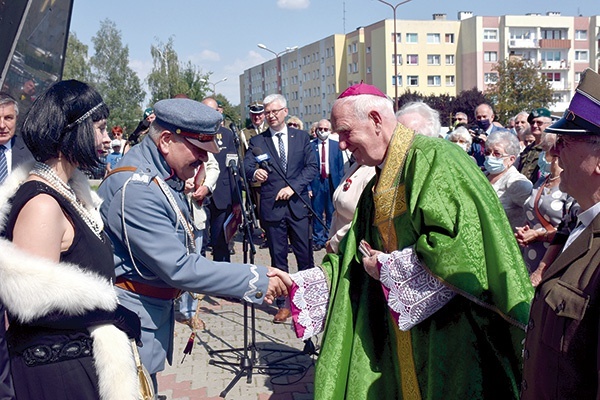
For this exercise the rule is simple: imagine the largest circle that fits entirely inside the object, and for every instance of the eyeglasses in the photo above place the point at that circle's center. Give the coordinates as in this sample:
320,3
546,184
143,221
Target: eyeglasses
322,129
293,125
563,140
539,123
496,154
273,112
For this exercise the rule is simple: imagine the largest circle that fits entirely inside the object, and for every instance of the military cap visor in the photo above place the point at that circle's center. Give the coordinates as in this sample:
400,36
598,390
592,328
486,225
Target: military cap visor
196,122
257,108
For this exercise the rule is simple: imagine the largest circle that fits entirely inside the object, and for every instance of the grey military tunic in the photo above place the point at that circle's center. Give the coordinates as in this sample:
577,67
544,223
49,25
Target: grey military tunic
136,208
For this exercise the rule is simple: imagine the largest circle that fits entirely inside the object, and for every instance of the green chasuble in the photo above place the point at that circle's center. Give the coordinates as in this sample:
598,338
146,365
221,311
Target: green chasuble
432,196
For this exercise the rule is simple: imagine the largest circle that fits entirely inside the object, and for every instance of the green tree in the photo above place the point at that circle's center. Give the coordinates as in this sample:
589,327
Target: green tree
520,86
231,113
467,100
169,77
115,80
77,64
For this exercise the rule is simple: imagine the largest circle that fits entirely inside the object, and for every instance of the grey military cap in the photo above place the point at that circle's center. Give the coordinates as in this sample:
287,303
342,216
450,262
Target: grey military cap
191,119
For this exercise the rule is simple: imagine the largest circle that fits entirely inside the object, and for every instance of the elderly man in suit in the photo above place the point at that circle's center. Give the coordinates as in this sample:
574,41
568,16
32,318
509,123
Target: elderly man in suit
283,213
484,120
563,335
331,169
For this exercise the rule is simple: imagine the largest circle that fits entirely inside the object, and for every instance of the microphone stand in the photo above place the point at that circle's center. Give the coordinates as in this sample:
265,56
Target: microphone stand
247,358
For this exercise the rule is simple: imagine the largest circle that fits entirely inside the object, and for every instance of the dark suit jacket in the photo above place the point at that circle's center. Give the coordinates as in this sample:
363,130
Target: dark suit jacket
301,169
224,193
561,355
336,163
20,152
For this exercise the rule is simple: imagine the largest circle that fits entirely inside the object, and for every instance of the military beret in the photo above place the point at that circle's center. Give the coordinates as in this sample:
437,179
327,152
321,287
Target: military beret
191,119
257,108
582,117
539,112
147,112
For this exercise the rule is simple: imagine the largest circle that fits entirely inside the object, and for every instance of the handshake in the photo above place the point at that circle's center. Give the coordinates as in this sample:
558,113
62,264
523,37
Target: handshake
279,284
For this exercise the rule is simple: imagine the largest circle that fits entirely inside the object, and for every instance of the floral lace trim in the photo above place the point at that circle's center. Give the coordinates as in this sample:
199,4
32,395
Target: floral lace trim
309,301
414,294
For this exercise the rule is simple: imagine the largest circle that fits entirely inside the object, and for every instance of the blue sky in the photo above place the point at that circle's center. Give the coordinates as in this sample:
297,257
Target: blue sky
222,36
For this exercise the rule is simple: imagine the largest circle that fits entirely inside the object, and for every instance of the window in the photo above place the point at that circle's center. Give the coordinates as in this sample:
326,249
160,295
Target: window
490,56
397,80
578,76
490,77
434,80
449,37
354,48
412,38
521,33
433,38
552,55
553,76
412,80
490,35
412,59
368,70
450,81
355,67
397,37
581,55
580,35
433,59
368,49
449,59
397,58
554,34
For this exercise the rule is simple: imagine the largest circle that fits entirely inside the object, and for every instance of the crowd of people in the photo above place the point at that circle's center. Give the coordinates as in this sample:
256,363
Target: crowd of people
463,266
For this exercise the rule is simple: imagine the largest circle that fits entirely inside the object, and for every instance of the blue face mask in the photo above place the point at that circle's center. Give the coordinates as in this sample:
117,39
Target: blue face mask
484,124
494,165
544,165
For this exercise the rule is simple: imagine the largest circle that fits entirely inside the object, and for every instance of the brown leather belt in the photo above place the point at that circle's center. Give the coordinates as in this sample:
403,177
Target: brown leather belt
147,290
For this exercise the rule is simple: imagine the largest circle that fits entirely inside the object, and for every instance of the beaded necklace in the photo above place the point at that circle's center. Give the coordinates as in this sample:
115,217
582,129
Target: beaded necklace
49,175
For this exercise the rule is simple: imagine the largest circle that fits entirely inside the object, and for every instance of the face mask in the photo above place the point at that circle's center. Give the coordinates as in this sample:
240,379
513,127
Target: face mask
544,164
323,135
484,124
494,165
464,146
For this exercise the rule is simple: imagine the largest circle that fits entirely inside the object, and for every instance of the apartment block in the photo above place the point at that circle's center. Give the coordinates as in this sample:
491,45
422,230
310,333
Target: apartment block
438,56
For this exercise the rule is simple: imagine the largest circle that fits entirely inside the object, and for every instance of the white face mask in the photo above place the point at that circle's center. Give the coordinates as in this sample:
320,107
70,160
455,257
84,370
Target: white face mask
323,135
464,146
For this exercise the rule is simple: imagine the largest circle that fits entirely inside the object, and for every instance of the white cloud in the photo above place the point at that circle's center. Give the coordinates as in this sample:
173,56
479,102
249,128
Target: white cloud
293,4
206,56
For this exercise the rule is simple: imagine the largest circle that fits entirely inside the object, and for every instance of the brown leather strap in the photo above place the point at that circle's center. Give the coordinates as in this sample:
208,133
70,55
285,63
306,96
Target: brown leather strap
147,290
545,223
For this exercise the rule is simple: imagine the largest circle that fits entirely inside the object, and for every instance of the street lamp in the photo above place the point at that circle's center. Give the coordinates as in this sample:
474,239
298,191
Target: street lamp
395,50
214,85
287,50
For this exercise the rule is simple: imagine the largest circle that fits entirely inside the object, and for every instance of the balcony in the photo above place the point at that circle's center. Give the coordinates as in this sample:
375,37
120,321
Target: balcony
555,65
522,44
555,44
561,85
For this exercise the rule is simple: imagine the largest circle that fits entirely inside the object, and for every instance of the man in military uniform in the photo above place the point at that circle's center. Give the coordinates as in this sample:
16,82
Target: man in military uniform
147,219
561,349
539,119
256,127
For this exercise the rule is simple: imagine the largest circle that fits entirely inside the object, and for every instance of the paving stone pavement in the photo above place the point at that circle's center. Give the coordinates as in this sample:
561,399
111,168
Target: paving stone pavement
196,379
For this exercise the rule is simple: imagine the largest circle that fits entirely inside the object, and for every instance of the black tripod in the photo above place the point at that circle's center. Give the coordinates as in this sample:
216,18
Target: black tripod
247,355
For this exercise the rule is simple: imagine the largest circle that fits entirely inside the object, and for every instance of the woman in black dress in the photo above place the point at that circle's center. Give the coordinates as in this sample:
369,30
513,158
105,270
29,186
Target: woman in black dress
68,338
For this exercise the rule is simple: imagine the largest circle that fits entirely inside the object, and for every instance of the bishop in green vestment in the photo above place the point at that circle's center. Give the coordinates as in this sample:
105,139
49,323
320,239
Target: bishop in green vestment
428,198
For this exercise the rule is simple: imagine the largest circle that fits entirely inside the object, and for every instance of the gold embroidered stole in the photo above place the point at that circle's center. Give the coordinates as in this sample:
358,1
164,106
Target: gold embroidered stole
389,197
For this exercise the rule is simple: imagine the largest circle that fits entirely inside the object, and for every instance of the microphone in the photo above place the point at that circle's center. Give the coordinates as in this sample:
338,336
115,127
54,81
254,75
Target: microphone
262,158
236,137
231,160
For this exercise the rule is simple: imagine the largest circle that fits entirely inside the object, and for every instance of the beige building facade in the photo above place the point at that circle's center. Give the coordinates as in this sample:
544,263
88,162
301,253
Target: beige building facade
438,56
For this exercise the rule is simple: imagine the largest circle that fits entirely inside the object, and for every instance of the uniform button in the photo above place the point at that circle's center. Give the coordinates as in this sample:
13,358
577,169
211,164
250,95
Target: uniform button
530,324
560,307
258,294
525,354
524,385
